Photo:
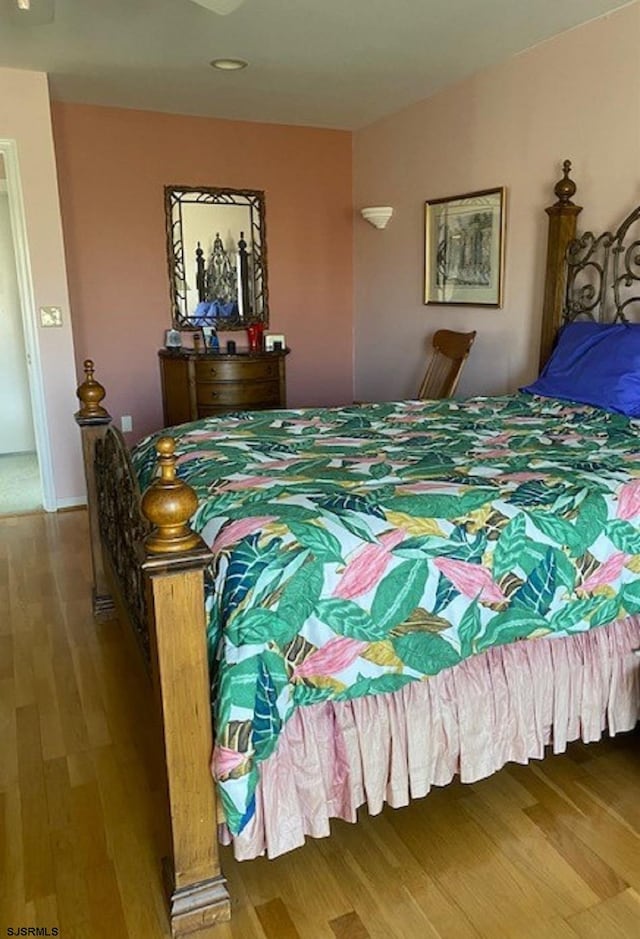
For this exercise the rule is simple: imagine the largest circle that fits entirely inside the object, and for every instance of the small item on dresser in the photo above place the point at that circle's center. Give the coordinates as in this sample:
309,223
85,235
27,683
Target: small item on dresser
173,339
274,342
197,342
254,334
214,342
231,347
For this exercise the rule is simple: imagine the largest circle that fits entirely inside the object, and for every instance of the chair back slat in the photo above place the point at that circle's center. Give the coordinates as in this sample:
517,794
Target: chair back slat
450,352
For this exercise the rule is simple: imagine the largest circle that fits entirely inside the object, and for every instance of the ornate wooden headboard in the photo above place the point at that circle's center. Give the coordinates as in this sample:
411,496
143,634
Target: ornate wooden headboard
592,276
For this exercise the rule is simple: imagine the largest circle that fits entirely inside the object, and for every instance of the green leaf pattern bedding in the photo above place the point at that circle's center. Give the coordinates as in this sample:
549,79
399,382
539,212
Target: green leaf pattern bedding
361,548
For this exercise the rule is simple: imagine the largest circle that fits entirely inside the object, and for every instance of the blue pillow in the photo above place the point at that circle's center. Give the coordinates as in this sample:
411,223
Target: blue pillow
594,363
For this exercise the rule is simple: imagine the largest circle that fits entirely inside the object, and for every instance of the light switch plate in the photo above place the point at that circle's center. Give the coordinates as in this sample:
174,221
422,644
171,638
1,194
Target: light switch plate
50,316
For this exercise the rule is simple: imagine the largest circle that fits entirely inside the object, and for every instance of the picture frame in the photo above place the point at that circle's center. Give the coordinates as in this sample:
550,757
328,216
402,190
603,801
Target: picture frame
274,342
464,249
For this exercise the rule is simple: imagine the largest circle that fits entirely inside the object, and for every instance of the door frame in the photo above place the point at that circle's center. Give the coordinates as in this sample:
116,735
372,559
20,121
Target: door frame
9,151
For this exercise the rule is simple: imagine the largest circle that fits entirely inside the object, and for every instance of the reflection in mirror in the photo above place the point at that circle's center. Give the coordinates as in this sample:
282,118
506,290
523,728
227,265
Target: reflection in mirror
216,248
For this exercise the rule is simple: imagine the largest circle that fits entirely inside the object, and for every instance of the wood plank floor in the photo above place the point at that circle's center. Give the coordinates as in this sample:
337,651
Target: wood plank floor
549,850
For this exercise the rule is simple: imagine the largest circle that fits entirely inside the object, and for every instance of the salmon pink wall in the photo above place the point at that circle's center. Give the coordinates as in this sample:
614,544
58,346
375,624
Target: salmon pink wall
574,96
112,167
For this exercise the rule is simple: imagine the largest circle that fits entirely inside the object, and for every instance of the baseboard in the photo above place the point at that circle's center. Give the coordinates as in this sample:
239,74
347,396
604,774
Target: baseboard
73,503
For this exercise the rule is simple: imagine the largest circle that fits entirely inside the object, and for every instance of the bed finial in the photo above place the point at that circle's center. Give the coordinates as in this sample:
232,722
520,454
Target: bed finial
565,188
91,394
563,215
168,504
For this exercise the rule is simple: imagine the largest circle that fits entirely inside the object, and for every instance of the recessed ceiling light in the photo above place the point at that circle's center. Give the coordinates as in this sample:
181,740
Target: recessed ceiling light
220,6
229,65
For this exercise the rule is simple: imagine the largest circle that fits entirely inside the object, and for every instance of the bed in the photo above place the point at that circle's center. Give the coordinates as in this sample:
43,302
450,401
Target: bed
377,598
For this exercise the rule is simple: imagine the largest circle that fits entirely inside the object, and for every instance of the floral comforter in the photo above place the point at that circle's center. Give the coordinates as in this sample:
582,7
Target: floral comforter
362,548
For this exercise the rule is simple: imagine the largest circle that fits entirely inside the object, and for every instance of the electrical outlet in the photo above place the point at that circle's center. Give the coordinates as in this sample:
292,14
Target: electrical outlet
126,423
50,316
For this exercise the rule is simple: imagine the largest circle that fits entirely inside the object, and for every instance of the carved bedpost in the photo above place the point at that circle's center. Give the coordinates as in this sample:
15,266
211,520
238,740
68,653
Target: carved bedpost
93,421
563,216
244,300
200,275
174,562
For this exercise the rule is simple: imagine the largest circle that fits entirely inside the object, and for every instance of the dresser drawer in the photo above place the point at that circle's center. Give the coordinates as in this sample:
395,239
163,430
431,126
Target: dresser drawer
236,370
236,394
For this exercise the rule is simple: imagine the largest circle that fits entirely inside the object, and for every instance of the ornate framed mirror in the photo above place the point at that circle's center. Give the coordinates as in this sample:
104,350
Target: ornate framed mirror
217,256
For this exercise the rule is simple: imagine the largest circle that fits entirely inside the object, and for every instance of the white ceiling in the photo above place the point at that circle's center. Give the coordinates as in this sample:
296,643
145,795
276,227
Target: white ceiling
331,63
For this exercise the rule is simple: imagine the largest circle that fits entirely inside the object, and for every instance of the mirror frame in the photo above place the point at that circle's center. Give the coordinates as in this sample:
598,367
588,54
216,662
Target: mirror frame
174,197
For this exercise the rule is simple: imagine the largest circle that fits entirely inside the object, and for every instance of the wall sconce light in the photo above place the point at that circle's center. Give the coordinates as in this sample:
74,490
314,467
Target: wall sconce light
377,215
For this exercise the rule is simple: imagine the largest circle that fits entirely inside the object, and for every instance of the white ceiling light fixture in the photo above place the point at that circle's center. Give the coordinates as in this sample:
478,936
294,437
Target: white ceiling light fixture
229,65
377,215
221,7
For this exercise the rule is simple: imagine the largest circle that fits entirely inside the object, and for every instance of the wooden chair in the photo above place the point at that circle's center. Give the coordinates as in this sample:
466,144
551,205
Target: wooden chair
450,352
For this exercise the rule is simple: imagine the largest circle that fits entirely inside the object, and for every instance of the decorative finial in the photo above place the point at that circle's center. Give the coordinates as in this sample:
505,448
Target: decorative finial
90,394
168,504
565,188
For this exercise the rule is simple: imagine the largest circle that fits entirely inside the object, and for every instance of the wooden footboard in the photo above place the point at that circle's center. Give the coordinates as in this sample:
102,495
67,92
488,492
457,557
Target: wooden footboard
171,560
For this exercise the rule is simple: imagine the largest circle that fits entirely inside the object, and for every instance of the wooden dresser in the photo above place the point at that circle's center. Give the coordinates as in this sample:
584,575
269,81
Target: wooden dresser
199,384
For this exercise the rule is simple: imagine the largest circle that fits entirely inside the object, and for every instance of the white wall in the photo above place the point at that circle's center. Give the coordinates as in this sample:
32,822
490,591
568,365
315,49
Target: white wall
576,96
16,424
26,119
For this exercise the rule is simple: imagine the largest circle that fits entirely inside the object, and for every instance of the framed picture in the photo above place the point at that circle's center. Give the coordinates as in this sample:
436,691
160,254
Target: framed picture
464,249
274,342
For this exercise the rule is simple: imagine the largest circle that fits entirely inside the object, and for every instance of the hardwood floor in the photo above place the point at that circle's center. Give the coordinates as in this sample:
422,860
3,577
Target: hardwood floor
548,850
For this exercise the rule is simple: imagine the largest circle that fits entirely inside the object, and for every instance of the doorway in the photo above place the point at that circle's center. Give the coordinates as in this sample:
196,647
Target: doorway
25,463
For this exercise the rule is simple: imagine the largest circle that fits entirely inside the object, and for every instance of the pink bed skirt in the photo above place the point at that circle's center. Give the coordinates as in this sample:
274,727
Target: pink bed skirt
504,705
